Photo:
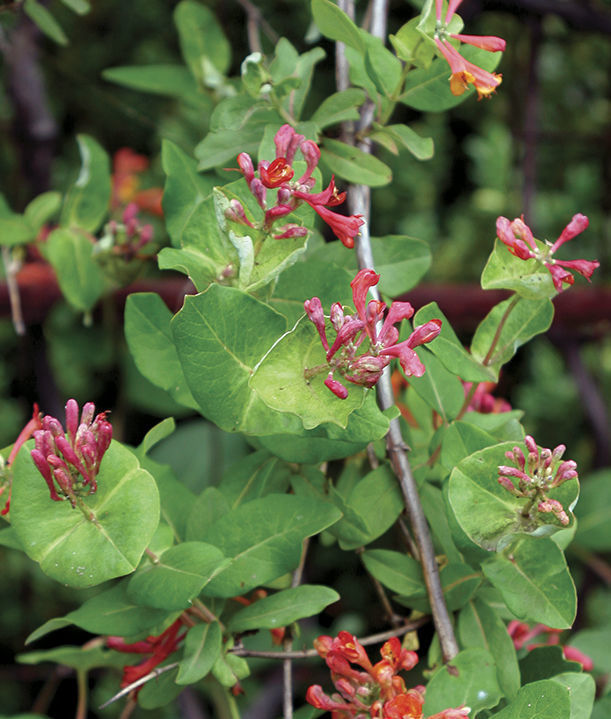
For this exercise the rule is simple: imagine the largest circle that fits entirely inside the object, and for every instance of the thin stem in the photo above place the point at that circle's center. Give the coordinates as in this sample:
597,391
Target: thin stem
287,644
497,335
255,19
129,708
309,653
81,682
11,268
383,597
359,199
201,610
138,683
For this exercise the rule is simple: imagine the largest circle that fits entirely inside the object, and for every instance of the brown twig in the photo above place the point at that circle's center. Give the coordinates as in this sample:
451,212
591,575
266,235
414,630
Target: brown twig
359,199
254,21
309,653
287,644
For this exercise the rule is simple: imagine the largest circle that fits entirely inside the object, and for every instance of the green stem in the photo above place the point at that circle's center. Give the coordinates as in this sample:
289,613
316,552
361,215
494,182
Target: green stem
225,705
280,110
81,682
487,361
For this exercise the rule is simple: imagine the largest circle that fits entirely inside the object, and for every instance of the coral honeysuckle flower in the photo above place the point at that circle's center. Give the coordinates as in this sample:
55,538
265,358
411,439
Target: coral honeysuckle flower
465,73
158,648
378,692
280,175
518,238
353,331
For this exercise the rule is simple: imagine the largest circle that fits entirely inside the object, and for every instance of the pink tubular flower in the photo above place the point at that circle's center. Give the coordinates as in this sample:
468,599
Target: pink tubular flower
158,648
366,329
279,175
518,238
465,73
378,692
73,462
536,474
520,633
483,401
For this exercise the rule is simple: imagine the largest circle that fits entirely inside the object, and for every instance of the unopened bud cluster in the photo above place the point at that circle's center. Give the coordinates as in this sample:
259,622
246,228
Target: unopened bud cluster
374,691
125,239
355,333
538,472
70,460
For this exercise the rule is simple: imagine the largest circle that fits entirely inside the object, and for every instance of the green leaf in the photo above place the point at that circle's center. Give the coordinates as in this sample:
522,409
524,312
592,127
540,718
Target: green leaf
372,507
110,612
480,626
283,608
459,582
449,349
254,476
180,575
428,89
279,380
81,7
202,41
184,192
460,440
209,506
410,46
395,136
202,648
221,335
438,387
45,22
545,663
534,580
395,570
525,320
41,209
383,68
468,680
529,278
86,204
15,230
80,278
160,692
73,549
312,278
149,338
540,700
582,690
264,539
170,80
80,658
487,512
334,24
593,512
595,644
353,164
339,107
401,262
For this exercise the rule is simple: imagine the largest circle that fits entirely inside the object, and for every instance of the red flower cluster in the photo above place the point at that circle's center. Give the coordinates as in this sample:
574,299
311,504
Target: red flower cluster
465,73
518,237
377,692
351,331
537,473
125,239
278,175
73,461
522,633
158,648
485,402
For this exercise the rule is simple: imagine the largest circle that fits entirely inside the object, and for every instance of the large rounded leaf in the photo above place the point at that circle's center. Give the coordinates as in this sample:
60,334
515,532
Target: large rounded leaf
487,512
73,549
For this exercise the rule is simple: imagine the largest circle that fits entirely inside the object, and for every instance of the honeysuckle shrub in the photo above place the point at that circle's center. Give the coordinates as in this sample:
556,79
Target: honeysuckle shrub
278,341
